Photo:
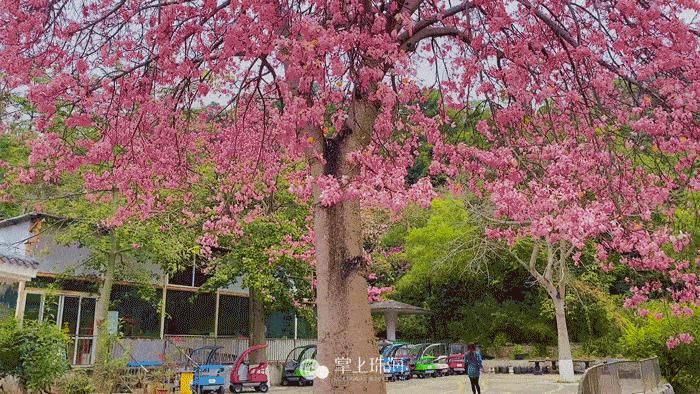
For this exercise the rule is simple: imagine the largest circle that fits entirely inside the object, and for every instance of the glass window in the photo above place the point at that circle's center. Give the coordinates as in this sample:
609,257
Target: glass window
87,316
84,352
233,315
280,325
189,276
182,278
50,308
189,313
8,300
32,306
138,317
69,318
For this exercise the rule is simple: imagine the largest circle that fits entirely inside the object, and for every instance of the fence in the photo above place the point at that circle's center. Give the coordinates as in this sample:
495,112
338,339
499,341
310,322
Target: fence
176,348
619,377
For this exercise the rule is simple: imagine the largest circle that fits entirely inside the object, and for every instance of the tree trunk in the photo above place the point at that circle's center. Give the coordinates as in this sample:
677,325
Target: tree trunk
257,326
346,343
103,346
566,365
102,338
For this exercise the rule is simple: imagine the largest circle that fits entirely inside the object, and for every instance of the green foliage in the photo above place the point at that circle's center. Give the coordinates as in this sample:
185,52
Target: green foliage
106,377
647,338
9,352
260,260
39,351
76,382
541,350
518,350
13,152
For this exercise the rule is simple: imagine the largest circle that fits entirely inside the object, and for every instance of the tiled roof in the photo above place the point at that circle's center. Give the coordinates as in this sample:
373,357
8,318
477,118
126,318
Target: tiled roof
18,261
26,216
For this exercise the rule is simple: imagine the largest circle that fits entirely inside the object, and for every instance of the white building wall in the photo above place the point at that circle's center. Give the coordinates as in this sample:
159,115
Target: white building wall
13,238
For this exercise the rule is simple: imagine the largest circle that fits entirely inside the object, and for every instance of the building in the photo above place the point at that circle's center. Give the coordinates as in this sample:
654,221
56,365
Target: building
48,281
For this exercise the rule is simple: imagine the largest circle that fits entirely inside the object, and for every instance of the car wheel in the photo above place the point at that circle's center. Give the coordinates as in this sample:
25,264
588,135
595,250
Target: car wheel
263,388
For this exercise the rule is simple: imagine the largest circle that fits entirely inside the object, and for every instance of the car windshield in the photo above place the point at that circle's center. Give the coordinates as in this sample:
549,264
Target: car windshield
433,350
309,352
456,348
416,350
201,356
403,351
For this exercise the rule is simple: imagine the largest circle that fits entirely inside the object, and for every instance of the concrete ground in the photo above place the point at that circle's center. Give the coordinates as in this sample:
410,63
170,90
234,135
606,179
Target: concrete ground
490,383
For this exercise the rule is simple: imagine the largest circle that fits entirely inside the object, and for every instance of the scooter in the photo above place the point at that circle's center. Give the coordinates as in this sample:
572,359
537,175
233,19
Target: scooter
395,359
244,374
421,364
456,359
292,371
209,372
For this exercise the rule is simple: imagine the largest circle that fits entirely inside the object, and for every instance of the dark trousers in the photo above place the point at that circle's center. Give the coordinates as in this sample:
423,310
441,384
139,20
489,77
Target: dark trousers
475,385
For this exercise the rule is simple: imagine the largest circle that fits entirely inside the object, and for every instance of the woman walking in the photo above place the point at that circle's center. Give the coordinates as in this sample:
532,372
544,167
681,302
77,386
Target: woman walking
472,359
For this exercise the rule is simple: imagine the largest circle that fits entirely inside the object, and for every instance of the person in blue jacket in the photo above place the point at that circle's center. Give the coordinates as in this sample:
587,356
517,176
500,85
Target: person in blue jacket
472,359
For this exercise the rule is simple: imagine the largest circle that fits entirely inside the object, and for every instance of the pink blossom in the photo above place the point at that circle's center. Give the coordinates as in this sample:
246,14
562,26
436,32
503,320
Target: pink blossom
680,339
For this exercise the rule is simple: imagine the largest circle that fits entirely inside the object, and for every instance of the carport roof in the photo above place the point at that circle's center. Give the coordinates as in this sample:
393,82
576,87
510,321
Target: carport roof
398,307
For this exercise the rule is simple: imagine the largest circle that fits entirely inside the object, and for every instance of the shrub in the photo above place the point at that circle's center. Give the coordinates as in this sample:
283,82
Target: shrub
518,350
9,352
647,338
77,382
38,351
541,350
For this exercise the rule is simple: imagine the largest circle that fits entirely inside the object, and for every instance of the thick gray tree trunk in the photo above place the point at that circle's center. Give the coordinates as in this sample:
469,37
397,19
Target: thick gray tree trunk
346,342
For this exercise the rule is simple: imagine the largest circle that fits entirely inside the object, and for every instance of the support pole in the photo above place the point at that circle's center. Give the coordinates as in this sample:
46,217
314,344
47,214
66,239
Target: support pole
390,318
21,299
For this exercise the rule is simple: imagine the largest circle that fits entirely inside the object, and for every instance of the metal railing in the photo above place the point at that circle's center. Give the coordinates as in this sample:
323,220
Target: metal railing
617,377
173,349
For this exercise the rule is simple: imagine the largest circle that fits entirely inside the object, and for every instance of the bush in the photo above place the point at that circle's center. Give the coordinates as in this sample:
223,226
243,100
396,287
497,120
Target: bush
9,352
647,338
77,382
38,351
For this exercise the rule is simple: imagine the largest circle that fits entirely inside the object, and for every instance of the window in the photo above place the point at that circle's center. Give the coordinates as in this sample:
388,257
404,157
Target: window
281,325
49,311
189,313
87,316
138,315
233,316
73,313
8,300
191,276
32,307
69,320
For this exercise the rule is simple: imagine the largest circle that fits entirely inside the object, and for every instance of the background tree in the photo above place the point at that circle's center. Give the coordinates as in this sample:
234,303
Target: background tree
271,259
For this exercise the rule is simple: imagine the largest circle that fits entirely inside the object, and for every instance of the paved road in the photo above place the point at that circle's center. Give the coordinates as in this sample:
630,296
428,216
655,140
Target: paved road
490,383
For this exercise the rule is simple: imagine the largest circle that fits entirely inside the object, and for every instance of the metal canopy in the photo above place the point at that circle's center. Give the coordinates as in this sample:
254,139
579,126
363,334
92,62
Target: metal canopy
397,307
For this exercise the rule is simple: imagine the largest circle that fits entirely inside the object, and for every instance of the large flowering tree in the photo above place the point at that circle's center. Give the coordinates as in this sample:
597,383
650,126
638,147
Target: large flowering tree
327,94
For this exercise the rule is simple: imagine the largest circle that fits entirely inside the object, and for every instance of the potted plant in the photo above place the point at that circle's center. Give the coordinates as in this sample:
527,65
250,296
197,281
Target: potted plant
519,352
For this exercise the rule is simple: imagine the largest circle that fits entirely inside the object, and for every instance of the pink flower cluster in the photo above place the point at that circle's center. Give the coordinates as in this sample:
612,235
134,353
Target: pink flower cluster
680,339
375,294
